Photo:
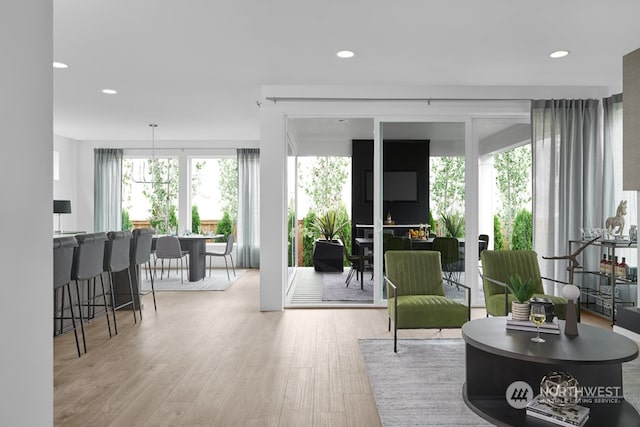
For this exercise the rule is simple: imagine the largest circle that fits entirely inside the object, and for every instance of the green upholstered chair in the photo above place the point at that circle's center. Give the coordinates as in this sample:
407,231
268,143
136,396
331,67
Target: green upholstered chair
416,293
499,266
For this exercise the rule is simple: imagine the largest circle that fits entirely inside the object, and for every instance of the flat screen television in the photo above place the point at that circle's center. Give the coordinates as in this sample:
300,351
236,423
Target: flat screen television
398,186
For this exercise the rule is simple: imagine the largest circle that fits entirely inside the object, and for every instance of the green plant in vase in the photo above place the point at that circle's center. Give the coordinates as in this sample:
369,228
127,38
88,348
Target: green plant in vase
522,290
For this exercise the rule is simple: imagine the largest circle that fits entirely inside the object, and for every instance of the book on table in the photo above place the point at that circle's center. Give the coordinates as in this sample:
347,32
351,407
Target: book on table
527,325
574,416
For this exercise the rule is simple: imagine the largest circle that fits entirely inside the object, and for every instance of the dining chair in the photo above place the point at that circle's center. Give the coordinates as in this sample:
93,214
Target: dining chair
168,247
227,253
117,259
140,253
88,258
63,248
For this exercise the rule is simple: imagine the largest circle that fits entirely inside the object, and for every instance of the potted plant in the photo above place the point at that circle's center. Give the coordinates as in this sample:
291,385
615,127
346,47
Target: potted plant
522,290
328,250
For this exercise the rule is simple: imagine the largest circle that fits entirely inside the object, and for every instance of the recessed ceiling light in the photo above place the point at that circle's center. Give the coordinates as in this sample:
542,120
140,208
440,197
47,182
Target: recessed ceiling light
59,65
559,54
345,54
343,120
109,91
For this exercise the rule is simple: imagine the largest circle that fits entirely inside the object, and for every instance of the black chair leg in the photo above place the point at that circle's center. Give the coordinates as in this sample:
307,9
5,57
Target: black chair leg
153,292
113,303
106,306
73,319
84,341
133,301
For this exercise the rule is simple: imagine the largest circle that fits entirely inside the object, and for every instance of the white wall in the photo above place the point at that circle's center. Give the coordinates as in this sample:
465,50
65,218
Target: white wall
26,173
273,116
66,187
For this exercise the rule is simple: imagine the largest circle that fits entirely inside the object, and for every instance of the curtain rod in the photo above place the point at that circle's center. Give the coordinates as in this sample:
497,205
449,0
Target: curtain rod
275,99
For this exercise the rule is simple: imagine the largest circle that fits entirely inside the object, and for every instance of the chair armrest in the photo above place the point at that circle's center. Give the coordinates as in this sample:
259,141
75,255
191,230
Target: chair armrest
499,283
468,288
395,298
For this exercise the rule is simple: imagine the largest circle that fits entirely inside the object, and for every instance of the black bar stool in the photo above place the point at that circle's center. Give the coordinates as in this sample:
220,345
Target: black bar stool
63,248
116,259
141,254
88,261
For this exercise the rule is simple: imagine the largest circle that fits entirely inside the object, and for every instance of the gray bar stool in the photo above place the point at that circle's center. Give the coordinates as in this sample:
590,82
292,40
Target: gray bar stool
141,254
116,259
88,261
63,248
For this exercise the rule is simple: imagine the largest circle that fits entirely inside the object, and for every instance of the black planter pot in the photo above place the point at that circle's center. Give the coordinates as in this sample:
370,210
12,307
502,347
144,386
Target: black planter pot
328,255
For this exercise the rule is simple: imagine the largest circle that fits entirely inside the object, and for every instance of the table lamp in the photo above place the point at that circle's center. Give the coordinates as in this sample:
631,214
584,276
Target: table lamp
571,293
61,207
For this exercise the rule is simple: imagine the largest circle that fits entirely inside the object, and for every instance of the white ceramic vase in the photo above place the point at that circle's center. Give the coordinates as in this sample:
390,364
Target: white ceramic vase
519,311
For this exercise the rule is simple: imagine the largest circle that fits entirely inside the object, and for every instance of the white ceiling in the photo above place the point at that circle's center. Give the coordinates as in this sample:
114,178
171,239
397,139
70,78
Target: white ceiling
195,67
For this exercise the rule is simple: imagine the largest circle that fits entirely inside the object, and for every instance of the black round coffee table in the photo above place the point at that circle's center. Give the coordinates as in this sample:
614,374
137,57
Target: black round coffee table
497,357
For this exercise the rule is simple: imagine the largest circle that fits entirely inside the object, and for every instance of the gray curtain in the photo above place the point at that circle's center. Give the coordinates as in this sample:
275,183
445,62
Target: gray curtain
249,207
567,179
107,189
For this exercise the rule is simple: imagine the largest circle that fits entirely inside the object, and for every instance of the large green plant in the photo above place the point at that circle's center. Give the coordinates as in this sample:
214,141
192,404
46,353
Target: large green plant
498,240
126,222
328,225
453,224
291,230
225,226
195,220
522,236
309,234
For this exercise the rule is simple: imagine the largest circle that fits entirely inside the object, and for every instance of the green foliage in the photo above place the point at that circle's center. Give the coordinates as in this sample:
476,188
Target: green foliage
291,222
345,234
309,235
327,225
126,222
453,224
225,226
432,222
196,178
163,194
323,184
229,187
521,289
522,236
446,175
498,240
513,179
195,220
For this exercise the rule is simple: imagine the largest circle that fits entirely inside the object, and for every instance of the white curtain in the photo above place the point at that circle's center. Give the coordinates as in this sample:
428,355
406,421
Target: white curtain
568,160
107,189
249,207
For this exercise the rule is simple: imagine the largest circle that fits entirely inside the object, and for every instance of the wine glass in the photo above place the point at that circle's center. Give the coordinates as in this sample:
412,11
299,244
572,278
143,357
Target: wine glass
537,315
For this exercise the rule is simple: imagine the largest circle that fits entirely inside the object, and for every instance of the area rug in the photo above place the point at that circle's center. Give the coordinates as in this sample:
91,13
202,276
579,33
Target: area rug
421,385
334,288
217,282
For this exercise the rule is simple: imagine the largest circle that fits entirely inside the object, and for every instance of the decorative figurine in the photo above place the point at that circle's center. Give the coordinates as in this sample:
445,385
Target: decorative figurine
571,293
618,220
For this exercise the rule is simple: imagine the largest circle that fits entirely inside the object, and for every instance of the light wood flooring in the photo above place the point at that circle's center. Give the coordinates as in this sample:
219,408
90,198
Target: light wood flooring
213,359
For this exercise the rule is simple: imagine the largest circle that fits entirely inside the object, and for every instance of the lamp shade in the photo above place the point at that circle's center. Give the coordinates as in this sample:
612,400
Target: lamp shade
62,206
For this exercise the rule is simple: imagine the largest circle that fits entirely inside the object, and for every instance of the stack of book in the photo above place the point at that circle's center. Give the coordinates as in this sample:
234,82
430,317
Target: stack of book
528,325
574,416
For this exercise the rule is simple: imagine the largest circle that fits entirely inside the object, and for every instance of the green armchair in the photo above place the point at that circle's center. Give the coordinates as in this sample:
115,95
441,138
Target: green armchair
499,266
416,293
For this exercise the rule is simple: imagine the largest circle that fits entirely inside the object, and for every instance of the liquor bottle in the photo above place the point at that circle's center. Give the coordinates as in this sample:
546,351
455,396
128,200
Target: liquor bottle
624,268
609,265
616,268
603,264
